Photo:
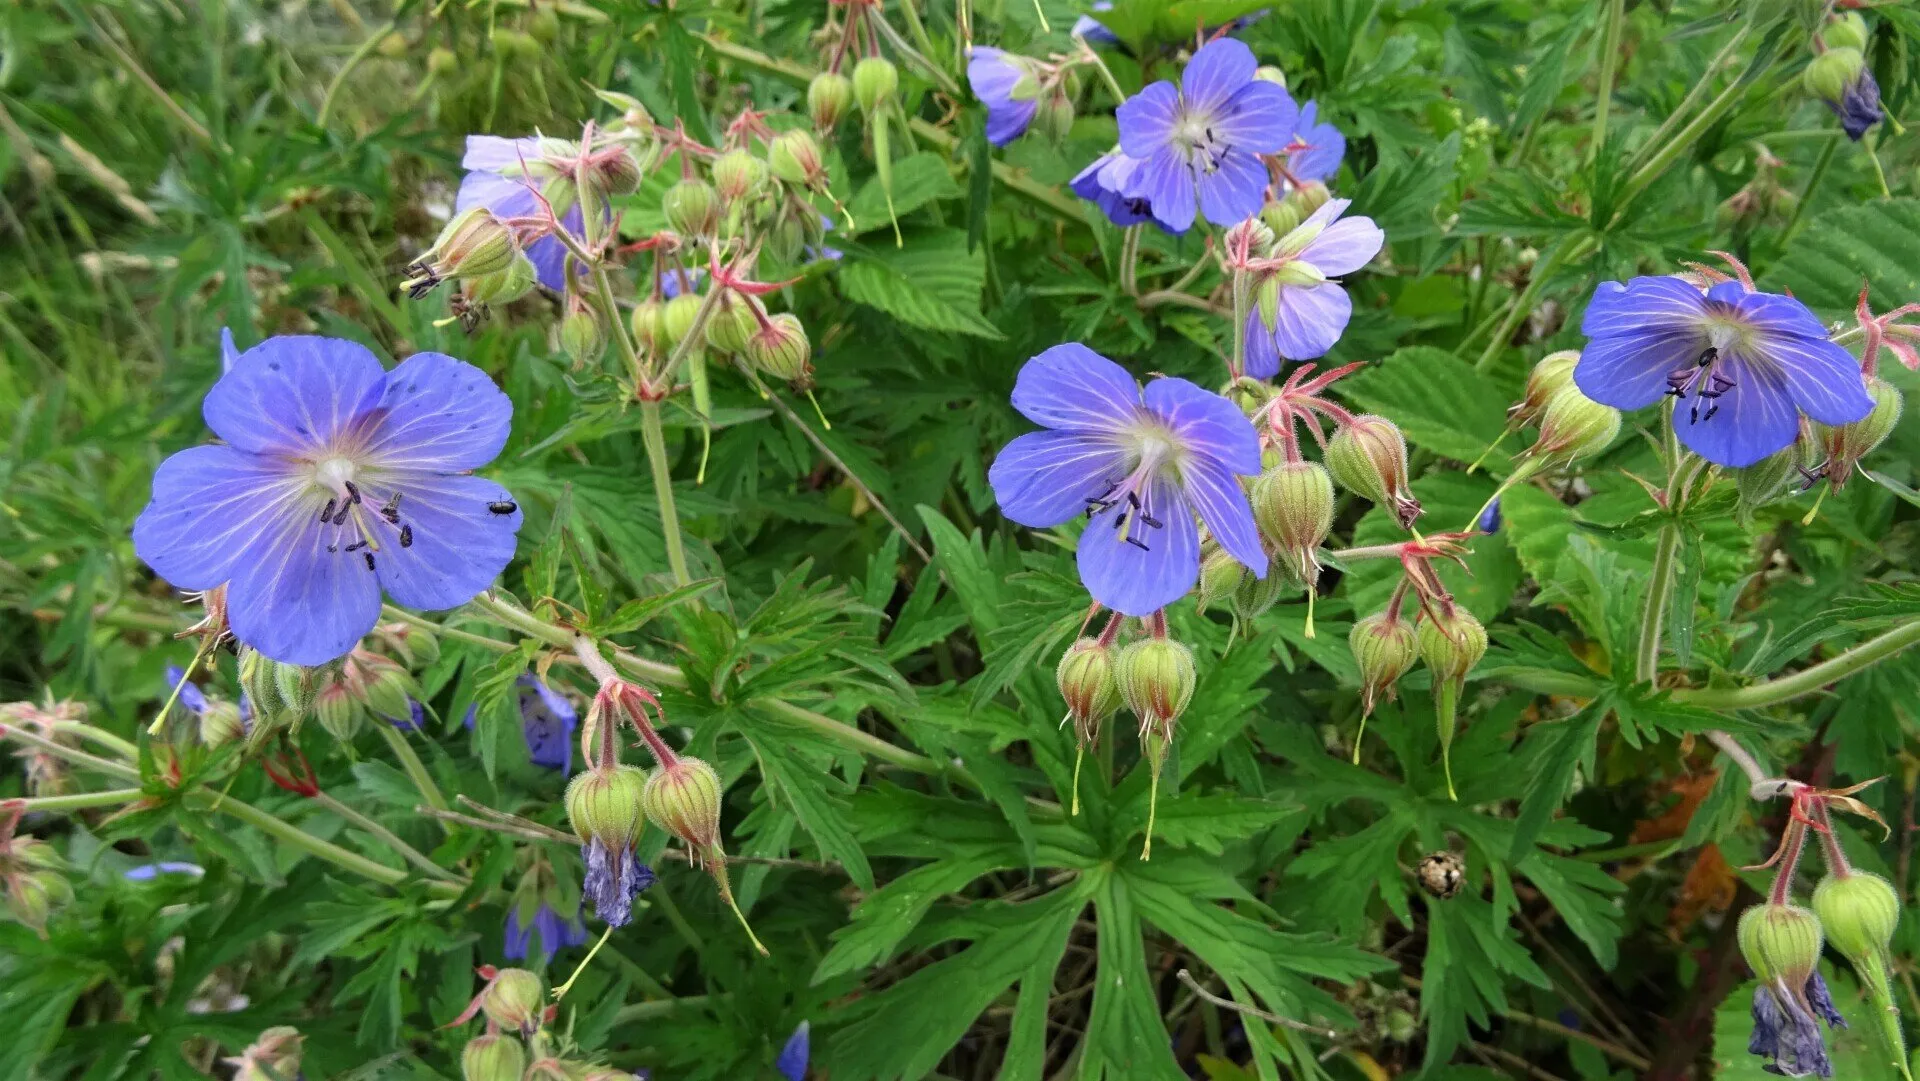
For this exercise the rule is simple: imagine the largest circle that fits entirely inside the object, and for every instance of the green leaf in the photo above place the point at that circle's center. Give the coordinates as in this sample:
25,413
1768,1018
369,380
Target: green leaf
963,559
1206,822
1842,248
635,614
933,282
1126,1039
823,814
917,181
886,916
1438,399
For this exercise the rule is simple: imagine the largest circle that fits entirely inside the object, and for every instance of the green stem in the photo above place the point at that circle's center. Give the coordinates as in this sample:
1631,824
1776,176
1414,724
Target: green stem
1130,262
656,444
915,56
1536,281
80,801
1646,662
1241,287
1694,93
353,61
1873,158
416,770
622,334
1819,173
1807,680
1681,143
98,735
387,837
1609,57
919,31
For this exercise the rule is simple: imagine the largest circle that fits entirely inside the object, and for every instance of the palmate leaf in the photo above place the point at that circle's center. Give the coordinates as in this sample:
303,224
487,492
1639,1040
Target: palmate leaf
933,282
1441,403
1871,243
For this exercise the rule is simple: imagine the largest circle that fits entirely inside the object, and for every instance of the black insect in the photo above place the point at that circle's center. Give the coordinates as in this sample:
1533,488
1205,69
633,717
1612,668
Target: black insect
406,536
505,506
369,560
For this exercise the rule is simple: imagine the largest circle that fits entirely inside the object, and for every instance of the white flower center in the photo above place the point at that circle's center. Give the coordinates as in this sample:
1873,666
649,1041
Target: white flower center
334,474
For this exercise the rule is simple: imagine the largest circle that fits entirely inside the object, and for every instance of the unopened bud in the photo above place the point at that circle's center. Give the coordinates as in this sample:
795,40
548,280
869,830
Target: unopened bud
512,1000
677,318
388,689
1781,943
1293,506
1054,116
1574,426
220,723
875,80
1384,649
282,694
493,1057
1308,197
473,244
1828,75
1848,31
1087,682
605,805
733,321
503,287
1220,575
1369,458
273,1056
1452,644
1156,677
738,174
1254,596
338,710
780,350
1770,478
794,156
1553,373
683,798
1282,216
691,207
580,336
633,114
829,97
1858,912
32,896
442,62
648,322
1847,444
616,171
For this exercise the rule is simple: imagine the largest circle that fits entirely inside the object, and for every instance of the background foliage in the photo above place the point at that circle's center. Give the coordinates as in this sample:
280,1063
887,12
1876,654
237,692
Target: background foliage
172,168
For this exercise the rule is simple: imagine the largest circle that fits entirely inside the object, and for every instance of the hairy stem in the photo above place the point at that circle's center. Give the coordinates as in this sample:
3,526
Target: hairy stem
656,444
1646,656
1609,59
1807,680
387,837
80,801
416,770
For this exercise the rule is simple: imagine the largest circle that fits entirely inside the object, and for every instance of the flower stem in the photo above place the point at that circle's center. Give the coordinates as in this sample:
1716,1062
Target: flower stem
1646,658
80,801
656,444
1807,680
1694,94
1820,166
1130,262
416,770
1609,57
387,837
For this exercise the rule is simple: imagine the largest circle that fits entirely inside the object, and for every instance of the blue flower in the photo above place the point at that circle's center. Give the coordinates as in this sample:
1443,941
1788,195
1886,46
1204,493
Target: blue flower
1007,86
1743,364
1316,149
613,880
336,479
1786,1028
192,698
678,280
1858,106
1489,522
547,719
414,721
1312,311
147,872
792,1062
499,177
1102,184
1204,138
1141,464
554,932
1093,30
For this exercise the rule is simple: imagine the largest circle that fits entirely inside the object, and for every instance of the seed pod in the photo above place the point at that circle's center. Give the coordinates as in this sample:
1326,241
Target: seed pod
580,337
1369,458
1087,681
1253,597
737,174
828,98
1858,912
1450,644
648,320
691,208
1054,116
794,156
683,798
1553,372
1574,426
1220,575
875,80
1781,943
503,287
606,805
1156,677
493,1057
473,244
677,317
732,322
1848,31
338,710
780,350
1293,506
220,723
616,172
1384,648
1847,444
512,1000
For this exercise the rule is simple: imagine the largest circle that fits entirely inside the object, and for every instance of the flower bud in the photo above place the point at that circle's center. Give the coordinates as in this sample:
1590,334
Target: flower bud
282,694
1293,506
1452,644
734,320
1781,943
682,797
473,244
33,852
1858,912
1309,197
1254,596
648,322
493,1057
677,317
616,171
1054,116
737,174
633,114
33,895
387,689
1087,682
503,287
1769,479
1220,575
1384,649
1829,74
1848,31
606,805
1369,458
1574,426
273,1056
1282,216
691,207
1848,443
220,723
781,349
794,156
1553,372
442,62
875,80
338,709
512,1000
1156,677
1267,73
828,98
580,336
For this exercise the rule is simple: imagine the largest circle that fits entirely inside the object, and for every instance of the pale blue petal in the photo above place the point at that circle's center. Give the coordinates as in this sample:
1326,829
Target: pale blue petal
1756,416
1771,314
494,153
1263,356
1139,581
438,413
293,394
1823,379
1643,304
1166,182
209,503
1630,371
1045,478
1310,319
229,353
1206,424
792,1063
1146,119
459,546
297,602
1345,246
1259,118
1223,505
1216,71
1073,388
1234,190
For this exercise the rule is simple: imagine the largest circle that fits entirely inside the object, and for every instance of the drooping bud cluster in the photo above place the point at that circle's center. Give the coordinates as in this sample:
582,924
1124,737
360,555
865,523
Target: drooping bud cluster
1844,446
32,875
474,247
493,1056
1156,677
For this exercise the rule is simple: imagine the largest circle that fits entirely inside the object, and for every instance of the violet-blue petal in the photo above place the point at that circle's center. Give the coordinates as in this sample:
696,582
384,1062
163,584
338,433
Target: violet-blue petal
1859,105
1233,191
1166,181
438,413
209,504
1345,246
1074,388
147,872
792,1061
1629,371
1821,1000
1310,319
1262,355
1323,144
1222,504
1217,70
1139,581
516,937
459,546
1643,304
1768,1021
549,721
1096,32
1147,118
289,395
296,602
1042,479
1823,379
1205,424
1258,118
229,353
1489,522
1754,418
495,153
191,697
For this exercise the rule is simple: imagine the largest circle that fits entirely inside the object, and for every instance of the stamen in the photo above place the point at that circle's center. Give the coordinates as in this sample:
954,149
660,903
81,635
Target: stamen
391,509
356,546
353,492
340,518
327,511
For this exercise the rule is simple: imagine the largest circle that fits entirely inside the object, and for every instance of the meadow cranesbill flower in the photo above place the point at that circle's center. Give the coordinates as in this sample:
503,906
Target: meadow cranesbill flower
506,177
1204,137
1140,464
540,933
1315,151
1008,86
792,1063
1309,311
336,479
547,719
1092,29
1103,184
1742,365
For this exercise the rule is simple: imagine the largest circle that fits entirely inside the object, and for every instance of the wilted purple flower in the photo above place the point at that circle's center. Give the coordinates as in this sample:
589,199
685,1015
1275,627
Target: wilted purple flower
1102,184
1858,106
414,721
792,1062
542,936
1744,364
503,175
336,479
1007,85
1205,137
1786,1028
1316,149
147,872
1312,310
613,880
1141,464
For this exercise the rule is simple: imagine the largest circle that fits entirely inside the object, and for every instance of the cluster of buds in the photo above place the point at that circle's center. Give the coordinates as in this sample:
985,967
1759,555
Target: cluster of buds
360,684
1762,198
274,1056
1284,215
281,696
1572,426
480,253
32,874
47,773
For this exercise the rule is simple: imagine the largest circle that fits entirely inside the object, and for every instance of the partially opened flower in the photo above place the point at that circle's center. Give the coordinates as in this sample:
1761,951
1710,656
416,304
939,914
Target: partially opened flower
792,1063
1203,139
1316,149
1103,183
336,480
507,177
547,719
1008,86
540,931
1742,365
1140,464
1093,30
1309,311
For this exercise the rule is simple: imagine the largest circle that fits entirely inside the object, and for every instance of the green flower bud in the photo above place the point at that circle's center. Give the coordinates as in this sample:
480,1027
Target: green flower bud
503,287
1847,444
512,1000
1770,478
794,156
780,350
1054,118
1267,73
494,1057
473,244
580,336
737,174
1574,426
676,318
1452,645
1254,596
1369,458
33,895
559,191
1554,372
1308,198
1220,575
220,723
1296,272
1282,216
514,44
829,96
691,207
258,683
605,805
616,171
1384,648
1293,506
1830,73
338,710
1087,682
1858,912
875,80
1156,677
648,320
1848,31
683,798
543,23
1781,943
442,62
732,322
